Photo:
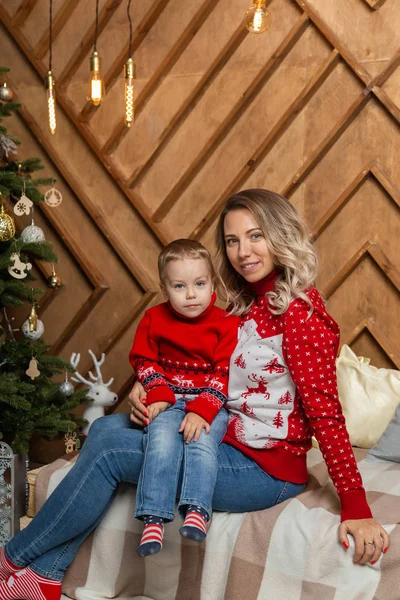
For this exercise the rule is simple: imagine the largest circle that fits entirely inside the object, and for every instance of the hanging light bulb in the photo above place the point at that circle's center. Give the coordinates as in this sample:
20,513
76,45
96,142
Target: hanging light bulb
129,74
96,83
51,101
257,19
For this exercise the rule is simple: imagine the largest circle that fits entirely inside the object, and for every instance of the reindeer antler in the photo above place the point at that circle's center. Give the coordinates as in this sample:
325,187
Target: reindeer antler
74,360
97,364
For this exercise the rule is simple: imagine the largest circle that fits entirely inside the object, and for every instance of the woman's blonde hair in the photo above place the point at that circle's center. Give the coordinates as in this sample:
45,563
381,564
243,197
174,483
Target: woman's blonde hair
287,239
183,248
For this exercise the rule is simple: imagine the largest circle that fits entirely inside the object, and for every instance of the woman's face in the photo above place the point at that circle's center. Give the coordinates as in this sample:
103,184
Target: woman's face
246,246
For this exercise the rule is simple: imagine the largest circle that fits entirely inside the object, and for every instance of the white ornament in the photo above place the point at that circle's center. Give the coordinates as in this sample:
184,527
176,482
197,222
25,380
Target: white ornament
98,390
32,234
18,269
53,197
32,335
66,388
23,206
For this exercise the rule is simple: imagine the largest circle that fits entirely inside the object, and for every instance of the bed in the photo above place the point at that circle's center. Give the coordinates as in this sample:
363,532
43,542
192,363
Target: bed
289,551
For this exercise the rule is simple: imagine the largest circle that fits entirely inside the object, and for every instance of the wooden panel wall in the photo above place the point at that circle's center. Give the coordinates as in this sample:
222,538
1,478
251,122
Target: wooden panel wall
310,108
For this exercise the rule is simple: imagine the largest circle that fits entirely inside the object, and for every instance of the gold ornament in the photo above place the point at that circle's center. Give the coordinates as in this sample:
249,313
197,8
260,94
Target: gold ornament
33,371
54,281
33,319
5,93
7,225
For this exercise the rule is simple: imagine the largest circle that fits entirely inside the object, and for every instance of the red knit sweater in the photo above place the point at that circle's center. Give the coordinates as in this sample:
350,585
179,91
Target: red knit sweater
283,389
175,355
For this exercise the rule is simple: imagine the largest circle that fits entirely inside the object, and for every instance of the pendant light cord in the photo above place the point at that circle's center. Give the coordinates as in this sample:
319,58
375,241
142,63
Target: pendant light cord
50,34
97,25
128,10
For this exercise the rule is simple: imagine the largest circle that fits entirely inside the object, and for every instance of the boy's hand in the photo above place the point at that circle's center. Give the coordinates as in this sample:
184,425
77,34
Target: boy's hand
192,425
155,409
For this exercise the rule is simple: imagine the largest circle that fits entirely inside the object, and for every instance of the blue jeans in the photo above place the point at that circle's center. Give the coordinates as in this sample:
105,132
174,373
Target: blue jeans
168,460
113,453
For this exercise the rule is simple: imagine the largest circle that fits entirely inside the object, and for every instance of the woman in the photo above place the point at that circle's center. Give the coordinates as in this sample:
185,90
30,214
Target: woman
282,389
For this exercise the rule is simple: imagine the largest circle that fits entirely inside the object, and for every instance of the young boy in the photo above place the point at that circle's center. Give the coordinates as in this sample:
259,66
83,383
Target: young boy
181,356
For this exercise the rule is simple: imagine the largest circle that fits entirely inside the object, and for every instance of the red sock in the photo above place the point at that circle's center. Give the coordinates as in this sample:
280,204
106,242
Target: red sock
28,585
152,536
6,567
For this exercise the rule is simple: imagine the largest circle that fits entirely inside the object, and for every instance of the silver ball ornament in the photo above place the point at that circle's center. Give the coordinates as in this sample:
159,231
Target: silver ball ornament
32,335
66,388
32,234
5,93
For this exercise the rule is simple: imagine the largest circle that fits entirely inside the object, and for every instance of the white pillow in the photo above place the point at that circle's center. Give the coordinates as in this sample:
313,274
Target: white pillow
369,397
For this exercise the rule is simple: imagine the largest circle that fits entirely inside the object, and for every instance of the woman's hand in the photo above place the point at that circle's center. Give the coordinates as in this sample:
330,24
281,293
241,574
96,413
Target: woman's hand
192,425
139,413
370,539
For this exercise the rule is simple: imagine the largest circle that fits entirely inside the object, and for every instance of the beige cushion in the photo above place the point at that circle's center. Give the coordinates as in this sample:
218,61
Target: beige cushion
369,397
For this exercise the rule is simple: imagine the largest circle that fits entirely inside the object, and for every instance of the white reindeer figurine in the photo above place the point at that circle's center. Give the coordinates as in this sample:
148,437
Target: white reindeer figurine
98,390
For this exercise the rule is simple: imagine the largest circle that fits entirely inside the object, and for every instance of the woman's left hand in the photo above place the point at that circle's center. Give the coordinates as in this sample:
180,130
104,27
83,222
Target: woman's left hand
370,539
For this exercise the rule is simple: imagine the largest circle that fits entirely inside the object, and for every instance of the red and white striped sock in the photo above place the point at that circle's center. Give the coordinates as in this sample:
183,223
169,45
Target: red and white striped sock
28,585
194,525
6,567
152,536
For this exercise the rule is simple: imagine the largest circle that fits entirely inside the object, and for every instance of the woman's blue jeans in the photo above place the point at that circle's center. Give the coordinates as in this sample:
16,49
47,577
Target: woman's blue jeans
169,460
113,453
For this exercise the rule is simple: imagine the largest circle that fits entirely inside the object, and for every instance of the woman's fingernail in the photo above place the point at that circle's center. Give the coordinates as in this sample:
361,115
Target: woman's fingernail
345,545
373,562
384,550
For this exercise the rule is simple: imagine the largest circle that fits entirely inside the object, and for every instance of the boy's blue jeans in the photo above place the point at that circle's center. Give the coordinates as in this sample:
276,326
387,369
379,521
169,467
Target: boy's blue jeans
167,458
113,453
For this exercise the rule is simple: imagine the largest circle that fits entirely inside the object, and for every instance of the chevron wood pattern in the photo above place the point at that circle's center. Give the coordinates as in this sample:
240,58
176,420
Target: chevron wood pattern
311,108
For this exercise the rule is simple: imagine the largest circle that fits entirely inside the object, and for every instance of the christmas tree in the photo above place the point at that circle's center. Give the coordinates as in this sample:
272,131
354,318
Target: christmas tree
29,403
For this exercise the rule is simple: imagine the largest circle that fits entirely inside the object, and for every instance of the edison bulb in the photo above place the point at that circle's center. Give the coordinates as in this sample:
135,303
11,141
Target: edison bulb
257,18
129,73
96,83
51,101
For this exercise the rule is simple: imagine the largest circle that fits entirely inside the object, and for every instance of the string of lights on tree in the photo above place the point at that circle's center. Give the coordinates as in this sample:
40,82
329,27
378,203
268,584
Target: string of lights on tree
257,20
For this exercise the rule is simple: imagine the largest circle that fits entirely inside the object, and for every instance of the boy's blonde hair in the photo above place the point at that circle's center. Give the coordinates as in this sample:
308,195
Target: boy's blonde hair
183,248
287,239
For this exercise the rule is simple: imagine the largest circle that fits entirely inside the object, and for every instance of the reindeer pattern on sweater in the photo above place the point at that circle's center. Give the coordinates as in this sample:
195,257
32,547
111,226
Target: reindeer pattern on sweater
260,413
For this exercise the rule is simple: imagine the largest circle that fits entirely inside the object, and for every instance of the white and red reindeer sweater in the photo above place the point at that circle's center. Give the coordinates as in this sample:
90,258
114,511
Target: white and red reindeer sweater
177,356
283,389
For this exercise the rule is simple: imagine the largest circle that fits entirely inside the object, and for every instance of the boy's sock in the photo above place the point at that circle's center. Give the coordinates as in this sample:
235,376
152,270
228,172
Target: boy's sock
28,585
6,567
152,536
194,525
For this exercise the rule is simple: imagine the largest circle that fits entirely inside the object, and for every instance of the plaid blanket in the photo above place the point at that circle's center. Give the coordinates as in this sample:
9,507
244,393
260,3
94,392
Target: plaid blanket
288,551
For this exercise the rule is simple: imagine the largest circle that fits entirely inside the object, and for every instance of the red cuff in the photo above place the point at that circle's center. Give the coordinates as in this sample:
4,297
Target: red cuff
204,407
355,505
160,393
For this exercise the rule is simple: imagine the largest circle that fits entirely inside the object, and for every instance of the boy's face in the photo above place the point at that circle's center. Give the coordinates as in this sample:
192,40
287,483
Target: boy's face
188,286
